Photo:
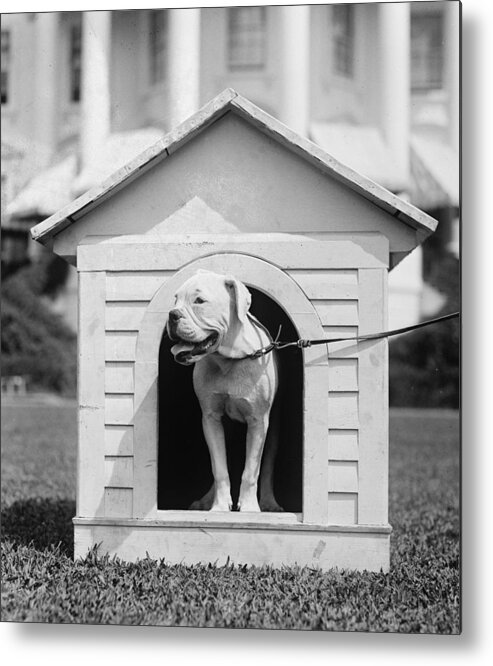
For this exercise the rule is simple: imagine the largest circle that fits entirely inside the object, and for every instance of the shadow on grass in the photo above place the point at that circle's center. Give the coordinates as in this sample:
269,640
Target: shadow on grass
41,523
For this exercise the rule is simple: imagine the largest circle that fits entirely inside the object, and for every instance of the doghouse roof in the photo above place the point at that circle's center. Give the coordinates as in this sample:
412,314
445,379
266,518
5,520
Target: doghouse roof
229,101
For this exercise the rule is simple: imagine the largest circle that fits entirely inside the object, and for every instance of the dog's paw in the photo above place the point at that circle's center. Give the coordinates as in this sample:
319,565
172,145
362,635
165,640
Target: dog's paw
222,502
270,504
204,503
200,505
222,506
249,504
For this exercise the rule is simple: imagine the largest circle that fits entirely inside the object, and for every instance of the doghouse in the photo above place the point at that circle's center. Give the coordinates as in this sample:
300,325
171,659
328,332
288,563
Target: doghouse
234,191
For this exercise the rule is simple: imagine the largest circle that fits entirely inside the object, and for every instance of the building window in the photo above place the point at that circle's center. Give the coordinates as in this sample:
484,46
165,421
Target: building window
247,37
427,52
75,61
157,44
5,82
343,39
4,196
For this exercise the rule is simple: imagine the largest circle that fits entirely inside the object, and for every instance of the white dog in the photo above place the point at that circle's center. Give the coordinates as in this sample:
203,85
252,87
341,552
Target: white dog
212,328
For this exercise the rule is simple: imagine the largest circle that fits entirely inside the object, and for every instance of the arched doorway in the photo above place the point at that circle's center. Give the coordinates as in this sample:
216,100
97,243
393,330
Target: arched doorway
266,281
184,470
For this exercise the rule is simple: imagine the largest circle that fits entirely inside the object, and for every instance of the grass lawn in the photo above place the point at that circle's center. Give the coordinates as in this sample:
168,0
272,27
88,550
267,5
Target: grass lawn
41,583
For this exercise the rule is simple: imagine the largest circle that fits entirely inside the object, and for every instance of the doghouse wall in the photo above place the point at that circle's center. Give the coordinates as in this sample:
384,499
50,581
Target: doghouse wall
348,301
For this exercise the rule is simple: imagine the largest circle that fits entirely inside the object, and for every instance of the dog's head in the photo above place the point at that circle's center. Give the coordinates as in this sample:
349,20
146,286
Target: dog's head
208,308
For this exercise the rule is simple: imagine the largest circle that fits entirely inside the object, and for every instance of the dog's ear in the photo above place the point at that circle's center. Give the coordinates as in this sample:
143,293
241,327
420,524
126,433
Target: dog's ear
241,296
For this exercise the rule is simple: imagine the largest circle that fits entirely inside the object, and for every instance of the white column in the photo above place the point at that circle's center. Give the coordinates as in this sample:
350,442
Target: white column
183,64
452,65
47,78
295,67
393,79
95,94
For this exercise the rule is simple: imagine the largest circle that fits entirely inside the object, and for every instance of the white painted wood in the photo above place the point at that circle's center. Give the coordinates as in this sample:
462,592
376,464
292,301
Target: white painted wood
327,284
315,355
343,476
205,116
374,455
139,285
343,508
286,546
90,459
341,349
371,241
289,251
124,315
373,294
117,503
252,521
343,374
151,331
119,409
193,217
119,377
120,345
118,440
373,401
118,471
332,331
337,313
343,445
315,444
228,518
343,410
146,421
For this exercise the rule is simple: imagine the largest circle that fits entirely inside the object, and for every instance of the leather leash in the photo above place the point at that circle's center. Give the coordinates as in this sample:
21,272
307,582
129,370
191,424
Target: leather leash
303,344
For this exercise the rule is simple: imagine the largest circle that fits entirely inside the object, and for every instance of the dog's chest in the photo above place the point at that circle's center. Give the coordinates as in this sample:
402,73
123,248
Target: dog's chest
241,392
237,409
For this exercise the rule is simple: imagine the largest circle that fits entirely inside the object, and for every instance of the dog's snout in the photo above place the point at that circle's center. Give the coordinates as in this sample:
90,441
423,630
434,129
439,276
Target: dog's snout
175,315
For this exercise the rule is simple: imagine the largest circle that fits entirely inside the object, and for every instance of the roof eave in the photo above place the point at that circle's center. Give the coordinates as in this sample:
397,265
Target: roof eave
169,144
397,207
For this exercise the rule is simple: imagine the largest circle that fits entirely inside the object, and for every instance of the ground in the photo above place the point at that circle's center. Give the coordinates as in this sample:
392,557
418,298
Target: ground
41,583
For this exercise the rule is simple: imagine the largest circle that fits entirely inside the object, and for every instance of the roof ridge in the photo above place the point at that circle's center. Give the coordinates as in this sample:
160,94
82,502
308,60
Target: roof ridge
208,114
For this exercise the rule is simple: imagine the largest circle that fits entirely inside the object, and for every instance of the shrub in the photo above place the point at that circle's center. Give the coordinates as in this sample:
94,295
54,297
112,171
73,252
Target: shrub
424,365
35,341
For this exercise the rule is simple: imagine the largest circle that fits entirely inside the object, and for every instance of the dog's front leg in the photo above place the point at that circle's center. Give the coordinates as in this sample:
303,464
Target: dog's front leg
255,440
267,499
214,436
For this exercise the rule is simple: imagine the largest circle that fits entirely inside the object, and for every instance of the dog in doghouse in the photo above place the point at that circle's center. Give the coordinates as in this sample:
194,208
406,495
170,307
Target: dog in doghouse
211,328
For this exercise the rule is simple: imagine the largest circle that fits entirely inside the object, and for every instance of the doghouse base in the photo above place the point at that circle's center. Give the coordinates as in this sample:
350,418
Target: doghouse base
359,547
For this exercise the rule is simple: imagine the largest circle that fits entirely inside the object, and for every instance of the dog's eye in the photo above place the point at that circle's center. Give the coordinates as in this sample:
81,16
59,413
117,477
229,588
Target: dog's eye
199,300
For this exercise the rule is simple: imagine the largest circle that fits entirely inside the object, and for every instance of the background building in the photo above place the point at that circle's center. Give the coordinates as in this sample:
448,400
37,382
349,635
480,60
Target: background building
375,85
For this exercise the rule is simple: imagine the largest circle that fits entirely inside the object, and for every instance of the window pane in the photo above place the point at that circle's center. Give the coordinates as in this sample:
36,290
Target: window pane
246,37
75,61
427,51
5,74
343,36
157,44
